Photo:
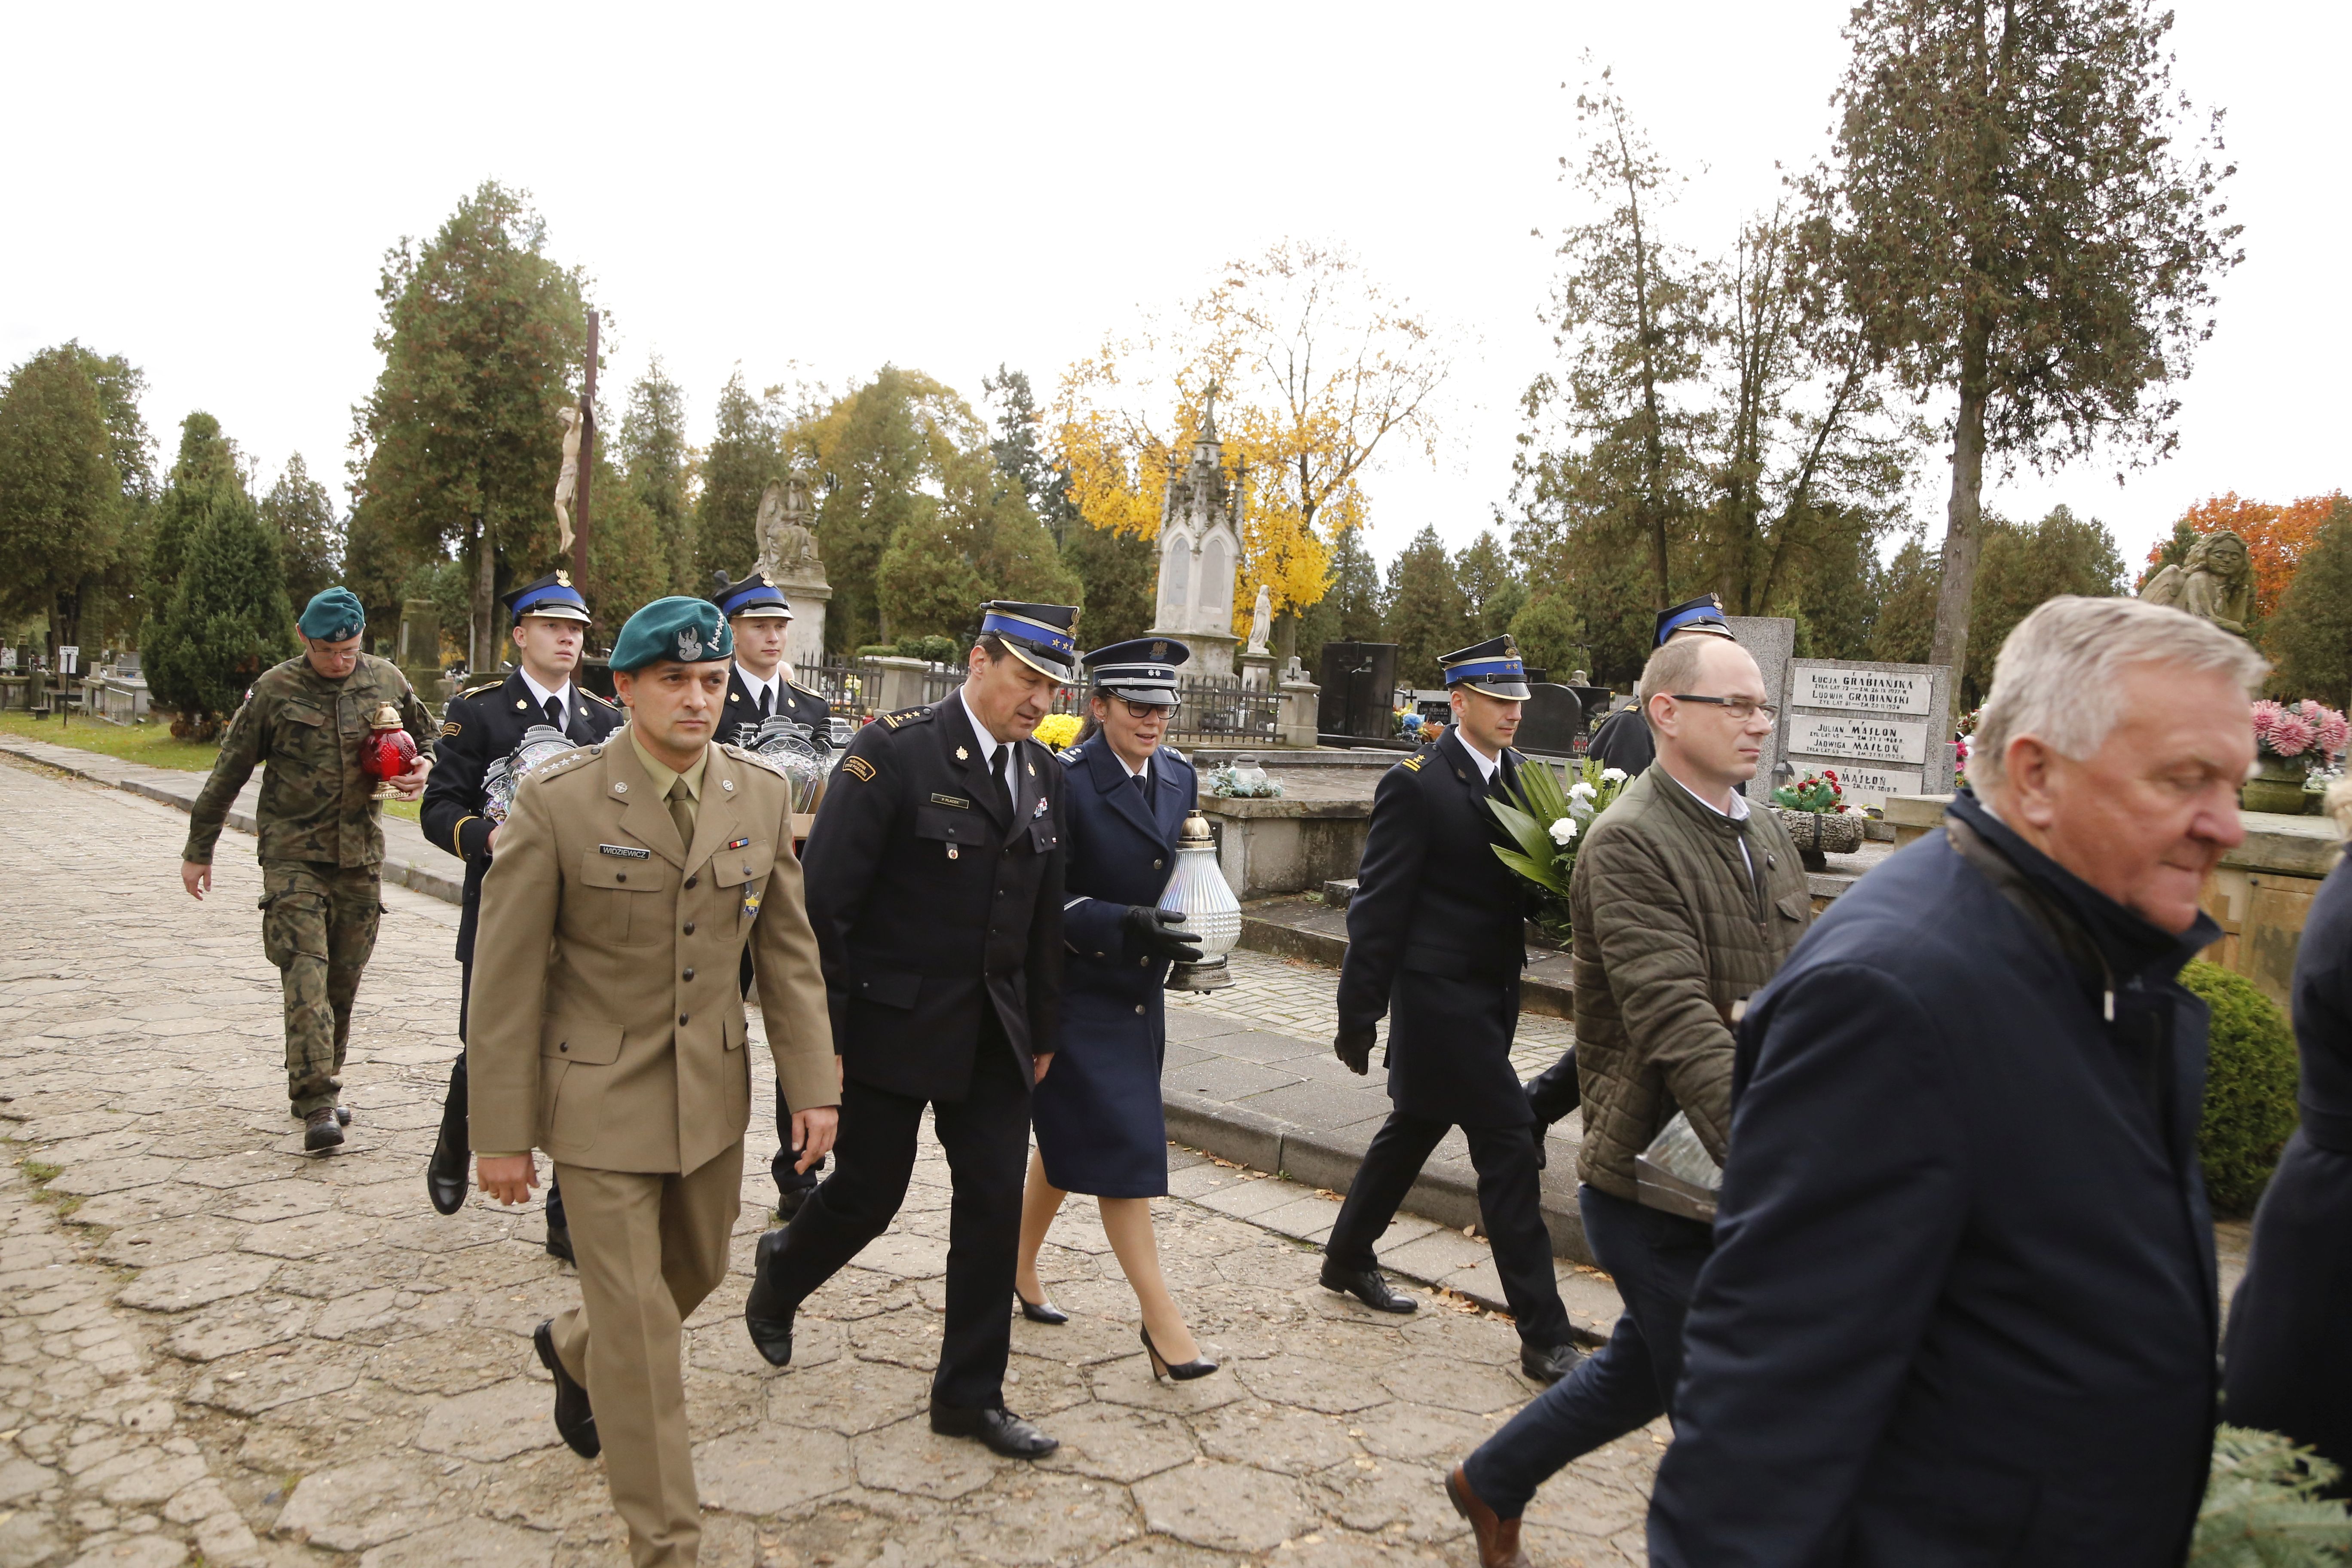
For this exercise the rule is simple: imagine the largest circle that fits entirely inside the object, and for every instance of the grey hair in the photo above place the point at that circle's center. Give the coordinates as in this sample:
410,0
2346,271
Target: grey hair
1671,669
2058,675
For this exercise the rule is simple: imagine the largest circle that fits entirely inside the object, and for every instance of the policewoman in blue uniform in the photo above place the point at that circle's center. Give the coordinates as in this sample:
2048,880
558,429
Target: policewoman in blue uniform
1100,1128
1436,937
935,883
481,724
758,686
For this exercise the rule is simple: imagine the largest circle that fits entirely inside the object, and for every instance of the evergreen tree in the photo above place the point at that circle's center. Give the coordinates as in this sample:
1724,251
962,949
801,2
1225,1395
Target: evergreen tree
207,466
1424,612
630,555
1492,591
745,455
2025,566
1904,630
66,501
2310,636
976,543
1119,579
885,453
1549,632
652,448
227,620
309,538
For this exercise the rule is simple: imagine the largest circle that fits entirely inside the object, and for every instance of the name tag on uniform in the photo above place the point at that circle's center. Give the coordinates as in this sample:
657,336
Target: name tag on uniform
956,801
624,851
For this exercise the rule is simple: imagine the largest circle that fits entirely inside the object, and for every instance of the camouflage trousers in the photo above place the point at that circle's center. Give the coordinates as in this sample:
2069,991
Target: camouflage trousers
318,926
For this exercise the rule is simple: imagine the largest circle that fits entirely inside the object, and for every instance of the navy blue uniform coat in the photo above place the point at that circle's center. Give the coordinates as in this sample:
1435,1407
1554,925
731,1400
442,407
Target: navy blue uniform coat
1100,1128
1436,937
739,720
1961,1306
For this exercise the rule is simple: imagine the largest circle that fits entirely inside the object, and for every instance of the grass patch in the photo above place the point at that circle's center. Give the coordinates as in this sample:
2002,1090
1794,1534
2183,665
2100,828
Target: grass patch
150,744
40,1172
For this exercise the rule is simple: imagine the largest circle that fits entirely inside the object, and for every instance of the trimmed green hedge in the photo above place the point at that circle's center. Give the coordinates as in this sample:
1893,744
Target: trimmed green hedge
2250,1080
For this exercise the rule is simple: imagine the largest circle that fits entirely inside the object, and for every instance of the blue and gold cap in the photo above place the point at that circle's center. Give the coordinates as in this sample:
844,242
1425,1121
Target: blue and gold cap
1141,670
1704,613
552,596
1039,635
674,630
754,596
333,615
1492,667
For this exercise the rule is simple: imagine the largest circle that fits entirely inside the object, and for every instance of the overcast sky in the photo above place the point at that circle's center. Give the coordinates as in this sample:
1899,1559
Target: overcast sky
210,190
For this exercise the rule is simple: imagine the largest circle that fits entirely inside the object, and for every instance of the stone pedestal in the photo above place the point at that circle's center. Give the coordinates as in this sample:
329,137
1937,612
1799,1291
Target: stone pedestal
807,591
1257,671
1301,700
1213,654
901,683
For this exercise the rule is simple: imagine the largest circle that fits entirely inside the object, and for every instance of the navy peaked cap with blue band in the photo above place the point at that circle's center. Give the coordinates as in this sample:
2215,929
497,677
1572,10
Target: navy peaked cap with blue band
1493,666
676,629
333,615
553,595
1040,636
754,596
1704,613
1141,670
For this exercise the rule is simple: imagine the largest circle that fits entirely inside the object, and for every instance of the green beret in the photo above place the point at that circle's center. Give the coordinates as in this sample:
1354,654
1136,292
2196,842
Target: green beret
333,615
678,629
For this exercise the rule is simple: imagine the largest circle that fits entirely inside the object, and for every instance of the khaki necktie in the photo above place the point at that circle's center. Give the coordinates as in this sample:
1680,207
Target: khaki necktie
681,811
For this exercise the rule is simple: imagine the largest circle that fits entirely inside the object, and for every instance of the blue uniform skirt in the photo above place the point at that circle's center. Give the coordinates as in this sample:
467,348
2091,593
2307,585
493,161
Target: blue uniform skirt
1100,1126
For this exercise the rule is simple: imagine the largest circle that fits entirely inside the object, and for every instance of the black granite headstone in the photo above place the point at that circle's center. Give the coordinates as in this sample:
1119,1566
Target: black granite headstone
1358,683
1550,720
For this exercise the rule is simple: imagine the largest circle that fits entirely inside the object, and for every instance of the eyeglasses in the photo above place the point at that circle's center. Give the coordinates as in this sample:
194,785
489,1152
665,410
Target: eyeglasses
1139,711
1740,708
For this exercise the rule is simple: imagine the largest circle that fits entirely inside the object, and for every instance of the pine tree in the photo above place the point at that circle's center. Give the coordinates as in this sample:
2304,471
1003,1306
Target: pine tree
1492,591
2310,636
228,618
652,448
64,509
744,455
1424,612
976,543
309,538
207,465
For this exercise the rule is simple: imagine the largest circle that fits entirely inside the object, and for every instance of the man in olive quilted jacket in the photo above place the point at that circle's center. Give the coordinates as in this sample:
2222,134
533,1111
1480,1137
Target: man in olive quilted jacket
1685,901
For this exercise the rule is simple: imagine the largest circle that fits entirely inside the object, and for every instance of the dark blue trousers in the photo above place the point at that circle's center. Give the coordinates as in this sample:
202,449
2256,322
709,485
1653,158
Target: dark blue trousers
1627,1383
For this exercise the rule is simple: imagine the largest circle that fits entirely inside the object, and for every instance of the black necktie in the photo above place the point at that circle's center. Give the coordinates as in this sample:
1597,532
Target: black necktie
999,768
555,711
1143,784
766,696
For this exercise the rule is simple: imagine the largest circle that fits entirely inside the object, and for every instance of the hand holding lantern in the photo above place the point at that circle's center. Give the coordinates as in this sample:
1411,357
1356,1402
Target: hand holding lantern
388,752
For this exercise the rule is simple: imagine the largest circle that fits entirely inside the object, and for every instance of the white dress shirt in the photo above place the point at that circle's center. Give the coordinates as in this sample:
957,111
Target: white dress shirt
539,694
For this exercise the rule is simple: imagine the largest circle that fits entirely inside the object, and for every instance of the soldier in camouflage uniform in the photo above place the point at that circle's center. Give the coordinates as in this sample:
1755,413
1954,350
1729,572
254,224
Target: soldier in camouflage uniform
321,835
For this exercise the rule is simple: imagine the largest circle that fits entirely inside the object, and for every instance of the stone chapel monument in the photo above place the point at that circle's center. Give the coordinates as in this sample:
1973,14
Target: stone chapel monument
1201,553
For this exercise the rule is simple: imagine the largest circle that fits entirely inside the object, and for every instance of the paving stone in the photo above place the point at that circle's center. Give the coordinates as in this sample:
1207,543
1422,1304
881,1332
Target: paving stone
1333,1387
771,1469
1115,1443
197,1282
473,1544
494,1423
350,1508
1231,1506
910,1458
1275,1438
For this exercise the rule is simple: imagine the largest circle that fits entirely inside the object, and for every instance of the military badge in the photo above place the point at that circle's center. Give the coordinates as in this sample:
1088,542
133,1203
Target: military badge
1042,809
690,645
858,768
962,755
451,728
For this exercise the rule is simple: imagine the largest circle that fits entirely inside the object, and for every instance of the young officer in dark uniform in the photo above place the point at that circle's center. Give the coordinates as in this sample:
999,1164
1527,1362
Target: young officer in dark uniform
482,723
1100,1126
1436,938
935,884
758,686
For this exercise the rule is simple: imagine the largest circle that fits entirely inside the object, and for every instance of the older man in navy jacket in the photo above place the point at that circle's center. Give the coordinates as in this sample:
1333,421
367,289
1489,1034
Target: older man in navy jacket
1961,1308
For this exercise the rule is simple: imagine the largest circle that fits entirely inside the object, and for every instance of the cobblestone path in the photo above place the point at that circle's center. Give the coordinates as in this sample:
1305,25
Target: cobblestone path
215,1348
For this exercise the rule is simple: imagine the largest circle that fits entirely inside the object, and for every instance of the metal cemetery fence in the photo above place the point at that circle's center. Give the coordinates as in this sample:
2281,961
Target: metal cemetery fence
1210,711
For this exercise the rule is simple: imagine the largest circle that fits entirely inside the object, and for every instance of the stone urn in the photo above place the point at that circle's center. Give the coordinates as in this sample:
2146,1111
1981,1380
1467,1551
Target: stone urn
2276,786
1822,832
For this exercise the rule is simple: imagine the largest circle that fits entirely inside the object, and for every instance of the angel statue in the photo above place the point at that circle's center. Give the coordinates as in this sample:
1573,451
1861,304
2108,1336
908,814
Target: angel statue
2216,583
1261,620
567,483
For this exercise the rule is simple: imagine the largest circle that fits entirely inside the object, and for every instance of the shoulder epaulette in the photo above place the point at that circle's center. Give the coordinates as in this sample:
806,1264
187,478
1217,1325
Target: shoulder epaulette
601,701
904,716
561,763
1068,754
481,686
754,758
804,691
1179,756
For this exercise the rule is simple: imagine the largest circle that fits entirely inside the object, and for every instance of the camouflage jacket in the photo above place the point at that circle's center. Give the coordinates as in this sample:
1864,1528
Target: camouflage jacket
317,803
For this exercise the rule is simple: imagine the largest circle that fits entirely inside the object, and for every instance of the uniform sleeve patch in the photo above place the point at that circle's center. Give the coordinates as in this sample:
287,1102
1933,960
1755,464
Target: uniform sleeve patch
858,768
451,727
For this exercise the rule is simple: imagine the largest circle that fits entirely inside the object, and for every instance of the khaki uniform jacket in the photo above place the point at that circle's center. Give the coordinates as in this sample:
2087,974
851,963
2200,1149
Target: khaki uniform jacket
606,1015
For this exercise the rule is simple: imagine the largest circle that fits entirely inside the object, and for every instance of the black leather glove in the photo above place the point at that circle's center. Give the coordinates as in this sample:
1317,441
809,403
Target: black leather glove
1354,1047
1148,931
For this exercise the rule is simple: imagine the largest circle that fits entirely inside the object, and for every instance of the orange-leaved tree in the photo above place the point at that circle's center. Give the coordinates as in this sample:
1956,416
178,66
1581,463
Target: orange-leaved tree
1313,368
2275,536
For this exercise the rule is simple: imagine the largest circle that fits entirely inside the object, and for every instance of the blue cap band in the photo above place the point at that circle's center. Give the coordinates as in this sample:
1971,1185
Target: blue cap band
1693,617
554,592
1486,670
1028,631
756,593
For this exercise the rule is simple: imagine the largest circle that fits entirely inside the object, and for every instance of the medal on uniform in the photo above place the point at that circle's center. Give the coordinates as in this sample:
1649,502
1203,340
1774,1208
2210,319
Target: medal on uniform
951,851
751,904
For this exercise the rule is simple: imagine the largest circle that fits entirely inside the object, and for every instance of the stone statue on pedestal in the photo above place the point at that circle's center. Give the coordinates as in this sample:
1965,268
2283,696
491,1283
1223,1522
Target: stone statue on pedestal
1261,620
787,548
567,482
2216,583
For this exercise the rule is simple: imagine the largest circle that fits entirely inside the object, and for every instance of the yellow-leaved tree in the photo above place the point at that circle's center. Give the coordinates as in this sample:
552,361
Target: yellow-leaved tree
1312,368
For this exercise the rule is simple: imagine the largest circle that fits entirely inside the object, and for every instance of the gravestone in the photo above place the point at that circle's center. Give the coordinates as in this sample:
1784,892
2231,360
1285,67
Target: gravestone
1199,554
1551,720
1885,728
1359,681
1772,641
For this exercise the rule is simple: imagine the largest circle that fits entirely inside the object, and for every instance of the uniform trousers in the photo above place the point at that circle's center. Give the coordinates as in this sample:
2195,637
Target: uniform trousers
453,1104
986,1137
1510,1205
651,1246
318,926
1629,1383
788,1180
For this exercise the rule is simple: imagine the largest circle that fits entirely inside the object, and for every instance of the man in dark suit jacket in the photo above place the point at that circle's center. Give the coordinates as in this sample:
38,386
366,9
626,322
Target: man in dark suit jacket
935,875
1436,937
1961,1304
481,725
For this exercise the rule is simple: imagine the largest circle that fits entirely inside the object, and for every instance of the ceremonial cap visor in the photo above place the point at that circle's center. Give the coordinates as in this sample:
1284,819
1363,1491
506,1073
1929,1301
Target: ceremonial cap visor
1493,666
1141,670
754,596
1039,635
1704,613
553,596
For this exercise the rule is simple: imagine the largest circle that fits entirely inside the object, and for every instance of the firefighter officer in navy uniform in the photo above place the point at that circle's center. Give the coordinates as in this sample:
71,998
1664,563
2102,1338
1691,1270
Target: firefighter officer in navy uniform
482,724
758,686
935,883
1436,937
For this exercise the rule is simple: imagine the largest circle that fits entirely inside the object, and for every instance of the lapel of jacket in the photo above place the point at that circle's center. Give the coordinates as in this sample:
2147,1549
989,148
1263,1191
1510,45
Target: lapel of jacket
740,710
1111,782
717,814
1456,753
1172,797
644,814
956,732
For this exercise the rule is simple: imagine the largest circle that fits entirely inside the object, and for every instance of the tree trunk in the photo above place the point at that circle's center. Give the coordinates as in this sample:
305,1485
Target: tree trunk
1963,529
1286,639
481,655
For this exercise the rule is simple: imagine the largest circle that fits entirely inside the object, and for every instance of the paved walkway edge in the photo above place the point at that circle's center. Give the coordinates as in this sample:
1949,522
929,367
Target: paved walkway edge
1245,1137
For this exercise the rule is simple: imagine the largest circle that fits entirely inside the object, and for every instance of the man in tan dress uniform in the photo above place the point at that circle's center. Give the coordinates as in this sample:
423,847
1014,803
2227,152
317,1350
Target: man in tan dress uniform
608,1029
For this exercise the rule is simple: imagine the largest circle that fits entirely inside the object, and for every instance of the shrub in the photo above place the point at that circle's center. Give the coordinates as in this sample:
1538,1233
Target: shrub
2250,1080
2265,1506
226,622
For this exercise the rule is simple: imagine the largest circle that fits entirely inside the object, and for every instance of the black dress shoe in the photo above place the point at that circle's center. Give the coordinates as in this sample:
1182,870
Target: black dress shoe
1041,1311
1003,1431
1182,1371
321,1131
559,1243
446,1177
1550,1365
343,1115
768,1319
788,1204
574,1422
1367,1286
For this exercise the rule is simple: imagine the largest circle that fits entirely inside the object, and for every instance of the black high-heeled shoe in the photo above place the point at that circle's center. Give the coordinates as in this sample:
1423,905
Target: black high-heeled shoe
1041,1311
1182,1372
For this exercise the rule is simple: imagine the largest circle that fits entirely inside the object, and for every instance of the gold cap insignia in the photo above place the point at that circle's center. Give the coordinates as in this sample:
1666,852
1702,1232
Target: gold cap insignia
1159,650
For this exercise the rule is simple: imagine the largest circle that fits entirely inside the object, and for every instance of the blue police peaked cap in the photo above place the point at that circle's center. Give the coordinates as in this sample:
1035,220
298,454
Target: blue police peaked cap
1039,635
680,629
1704,613
553,596
1141,670
754,596
1493,666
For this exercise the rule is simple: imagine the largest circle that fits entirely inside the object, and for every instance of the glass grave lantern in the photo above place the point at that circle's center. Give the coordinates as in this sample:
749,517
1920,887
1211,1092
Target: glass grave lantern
1197,891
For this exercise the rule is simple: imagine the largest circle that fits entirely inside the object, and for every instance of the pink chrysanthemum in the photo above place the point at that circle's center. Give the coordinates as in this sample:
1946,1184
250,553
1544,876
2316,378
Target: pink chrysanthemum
2291,735
2334,733
2266,715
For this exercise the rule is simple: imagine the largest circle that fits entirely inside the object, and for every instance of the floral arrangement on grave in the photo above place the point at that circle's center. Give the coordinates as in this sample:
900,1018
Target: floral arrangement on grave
388,752
1818,792
1962,733
1244,779
2293,740
1818,820
1546,820
1411,726
1059,731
